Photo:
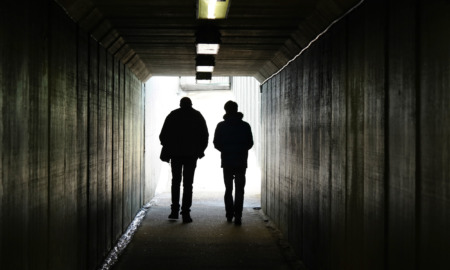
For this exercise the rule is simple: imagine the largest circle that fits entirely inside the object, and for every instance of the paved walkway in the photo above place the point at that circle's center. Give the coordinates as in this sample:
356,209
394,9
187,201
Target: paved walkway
209,242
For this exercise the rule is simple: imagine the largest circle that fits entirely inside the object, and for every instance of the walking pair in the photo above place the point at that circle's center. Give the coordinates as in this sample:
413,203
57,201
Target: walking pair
184,138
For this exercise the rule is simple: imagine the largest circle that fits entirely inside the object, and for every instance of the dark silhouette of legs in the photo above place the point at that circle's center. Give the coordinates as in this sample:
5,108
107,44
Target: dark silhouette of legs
239,182
176,165
228,198
234,207
188,179
182,166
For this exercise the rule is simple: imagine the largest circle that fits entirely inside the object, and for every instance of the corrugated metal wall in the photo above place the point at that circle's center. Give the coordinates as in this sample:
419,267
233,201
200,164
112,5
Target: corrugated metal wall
71,146
247,94
355,141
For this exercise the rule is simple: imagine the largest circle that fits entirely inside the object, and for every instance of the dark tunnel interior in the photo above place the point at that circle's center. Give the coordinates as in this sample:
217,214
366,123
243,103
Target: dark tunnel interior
353,136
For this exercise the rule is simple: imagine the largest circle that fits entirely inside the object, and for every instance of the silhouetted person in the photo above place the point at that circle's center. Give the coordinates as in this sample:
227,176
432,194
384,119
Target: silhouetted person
184,137
233,138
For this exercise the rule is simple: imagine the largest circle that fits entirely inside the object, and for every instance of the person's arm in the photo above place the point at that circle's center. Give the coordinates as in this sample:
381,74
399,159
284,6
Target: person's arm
165,131
205,135
218,140
249,137
164,138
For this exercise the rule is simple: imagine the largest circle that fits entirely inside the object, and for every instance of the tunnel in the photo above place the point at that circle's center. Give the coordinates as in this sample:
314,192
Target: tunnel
354,128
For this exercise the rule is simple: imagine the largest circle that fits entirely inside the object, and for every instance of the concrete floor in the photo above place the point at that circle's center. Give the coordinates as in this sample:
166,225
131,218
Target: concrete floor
209,242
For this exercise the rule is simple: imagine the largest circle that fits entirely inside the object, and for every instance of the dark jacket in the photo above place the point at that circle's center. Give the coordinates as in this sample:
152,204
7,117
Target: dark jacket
184,134
233,138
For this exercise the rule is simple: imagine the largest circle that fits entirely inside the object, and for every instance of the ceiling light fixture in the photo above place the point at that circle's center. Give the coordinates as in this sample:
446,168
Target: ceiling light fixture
205,69
203,77
205,48
212,9
207,40
205,63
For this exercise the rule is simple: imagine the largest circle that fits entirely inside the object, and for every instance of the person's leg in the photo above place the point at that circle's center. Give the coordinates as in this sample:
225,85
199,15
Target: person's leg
189,166
175,188
239,194
228,198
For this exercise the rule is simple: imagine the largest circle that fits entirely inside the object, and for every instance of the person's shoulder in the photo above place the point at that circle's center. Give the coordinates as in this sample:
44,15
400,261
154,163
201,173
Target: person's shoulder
175,115
246,124
196,111
221,124
243,122
175,111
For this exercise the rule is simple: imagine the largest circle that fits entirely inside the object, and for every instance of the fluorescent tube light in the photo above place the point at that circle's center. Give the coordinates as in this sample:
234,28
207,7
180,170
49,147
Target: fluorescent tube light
205,68
212,9
207,48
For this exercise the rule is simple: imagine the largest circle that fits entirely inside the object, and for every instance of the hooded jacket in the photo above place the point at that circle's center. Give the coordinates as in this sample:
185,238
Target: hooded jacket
233,138
184,133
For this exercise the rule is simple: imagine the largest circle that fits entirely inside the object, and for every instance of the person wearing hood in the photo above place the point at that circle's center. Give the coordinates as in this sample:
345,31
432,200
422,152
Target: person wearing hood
184,137
233,138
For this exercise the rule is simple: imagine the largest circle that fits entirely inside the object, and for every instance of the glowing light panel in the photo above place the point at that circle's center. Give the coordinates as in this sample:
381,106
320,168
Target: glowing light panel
213,9
205,68
206,48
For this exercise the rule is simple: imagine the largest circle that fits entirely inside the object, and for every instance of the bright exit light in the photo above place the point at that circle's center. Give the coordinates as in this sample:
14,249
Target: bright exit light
213,9
206,48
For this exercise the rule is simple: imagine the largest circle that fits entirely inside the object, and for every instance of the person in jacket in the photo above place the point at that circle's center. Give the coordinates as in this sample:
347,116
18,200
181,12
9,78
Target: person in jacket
233,138
184,137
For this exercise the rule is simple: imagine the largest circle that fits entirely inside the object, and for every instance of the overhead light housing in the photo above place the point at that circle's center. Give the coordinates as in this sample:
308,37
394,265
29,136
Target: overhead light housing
205,63
207,40
203,77
206,48
213,9
205,68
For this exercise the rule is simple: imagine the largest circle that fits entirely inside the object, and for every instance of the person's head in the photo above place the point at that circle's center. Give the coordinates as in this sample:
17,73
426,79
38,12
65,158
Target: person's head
231,107
185,102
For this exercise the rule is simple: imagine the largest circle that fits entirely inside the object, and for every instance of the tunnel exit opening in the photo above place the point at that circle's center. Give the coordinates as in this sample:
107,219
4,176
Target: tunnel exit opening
163,95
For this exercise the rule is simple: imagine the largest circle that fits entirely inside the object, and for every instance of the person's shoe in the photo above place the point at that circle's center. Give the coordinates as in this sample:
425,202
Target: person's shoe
173,215
187,218
237,221
229,217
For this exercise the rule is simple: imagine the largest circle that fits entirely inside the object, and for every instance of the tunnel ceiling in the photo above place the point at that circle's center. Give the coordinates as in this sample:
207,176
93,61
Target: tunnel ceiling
157,37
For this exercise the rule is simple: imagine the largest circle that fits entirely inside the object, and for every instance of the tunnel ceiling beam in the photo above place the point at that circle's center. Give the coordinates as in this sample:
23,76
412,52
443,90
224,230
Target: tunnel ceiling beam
158,37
